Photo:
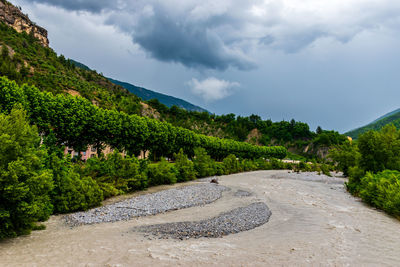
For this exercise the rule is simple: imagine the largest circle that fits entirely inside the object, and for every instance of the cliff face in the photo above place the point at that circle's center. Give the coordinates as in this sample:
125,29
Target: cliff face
13,17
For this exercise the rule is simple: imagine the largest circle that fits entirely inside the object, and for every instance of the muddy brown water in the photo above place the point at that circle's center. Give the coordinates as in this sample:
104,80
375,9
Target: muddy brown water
314,222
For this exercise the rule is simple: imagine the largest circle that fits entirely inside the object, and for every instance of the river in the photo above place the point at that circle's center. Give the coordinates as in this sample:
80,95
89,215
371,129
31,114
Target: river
314,222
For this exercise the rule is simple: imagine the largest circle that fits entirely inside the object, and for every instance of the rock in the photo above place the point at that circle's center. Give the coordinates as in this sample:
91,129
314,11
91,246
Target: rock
14,18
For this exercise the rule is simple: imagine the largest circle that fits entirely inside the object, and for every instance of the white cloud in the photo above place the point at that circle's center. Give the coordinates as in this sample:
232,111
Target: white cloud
212,89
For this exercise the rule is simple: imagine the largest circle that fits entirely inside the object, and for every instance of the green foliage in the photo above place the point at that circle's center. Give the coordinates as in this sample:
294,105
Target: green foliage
355,175
40,66
77,123
231,164
161,173
203,163
24,183
346,156
329,138
117,172
382,190
248,165
380,150
71,191
185,167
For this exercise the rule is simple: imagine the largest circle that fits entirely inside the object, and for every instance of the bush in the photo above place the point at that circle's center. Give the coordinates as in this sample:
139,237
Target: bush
184,167
24,182
231,164
355,175
71,191
123,174
382,190
248,165
161,173
277,164
203,163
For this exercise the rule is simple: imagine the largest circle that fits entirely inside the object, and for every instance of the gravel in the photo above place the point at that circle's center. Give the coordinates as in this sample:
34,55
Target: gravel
232,222
150,204
242,193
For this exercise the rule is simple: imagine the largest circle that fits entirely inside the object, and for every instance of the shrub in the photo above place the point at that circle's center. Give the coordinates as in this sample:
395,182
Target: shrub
203,163
124,174
24,182
161,173
355,175
248,165
277,164
71,191
231,164
184,167
382,190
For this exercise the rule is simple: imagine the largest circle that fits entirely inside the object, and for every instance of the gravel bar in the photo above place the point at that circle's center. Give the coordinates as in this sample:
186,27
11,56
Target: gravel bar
242,193
232,222
150,204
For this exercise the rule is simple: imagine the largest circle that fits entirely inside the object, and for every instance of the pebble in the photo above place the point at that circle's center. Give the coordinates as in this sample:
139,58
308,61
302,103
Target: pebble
150,204
232,222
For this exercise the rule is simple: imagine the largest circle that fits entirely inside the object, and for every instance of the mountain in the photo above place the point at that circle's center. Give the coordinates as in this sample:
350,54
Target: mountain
147,94
389,118
167,100
80,65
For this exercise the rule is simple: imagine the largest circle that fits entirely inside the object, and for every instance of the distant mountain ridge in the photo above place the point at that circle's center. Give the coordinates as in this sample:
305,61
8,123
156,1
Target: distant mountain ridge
389,118
147,94
167,100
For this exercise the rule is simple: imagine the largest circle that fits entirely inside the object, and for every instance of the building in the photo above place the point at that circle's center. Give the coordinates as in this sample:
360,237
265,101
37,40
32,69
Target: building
91,152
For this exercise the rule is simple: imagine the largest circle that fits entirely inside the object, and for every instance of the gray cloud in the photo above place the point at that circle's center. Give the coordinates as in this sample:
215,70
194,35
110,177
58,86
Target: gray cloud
80,5
190,44
221,34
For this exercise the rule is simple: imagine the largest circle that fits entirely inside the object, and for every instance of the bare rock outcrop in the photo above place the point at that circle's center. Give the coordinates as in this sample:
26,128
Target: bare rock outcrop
14,17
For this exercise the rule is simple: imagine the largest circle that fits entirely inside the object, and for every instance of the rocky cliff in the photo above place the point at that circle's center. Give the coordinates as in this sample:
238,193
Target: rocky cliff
13,17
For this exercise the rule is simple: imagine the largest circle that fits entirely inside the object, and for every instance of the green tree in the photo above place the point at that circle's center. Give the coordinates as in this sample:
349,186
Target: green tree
24,183
380,150
203,163
184,166
346,156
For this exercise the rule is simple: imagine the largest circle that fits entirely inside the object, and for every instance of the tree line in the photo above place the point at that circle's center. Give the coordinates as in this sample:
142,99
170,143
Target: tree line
77,123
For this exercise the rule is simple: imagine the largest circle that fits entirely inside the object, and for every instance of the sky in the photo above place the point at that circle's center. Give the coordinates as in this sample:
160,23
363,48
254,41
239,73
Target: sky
329,63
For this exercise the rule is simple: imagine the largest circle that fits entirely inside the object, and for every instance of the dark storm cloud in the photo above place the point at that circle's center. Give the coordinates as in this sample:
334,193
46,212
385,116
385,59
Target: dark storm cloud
192,45
80,5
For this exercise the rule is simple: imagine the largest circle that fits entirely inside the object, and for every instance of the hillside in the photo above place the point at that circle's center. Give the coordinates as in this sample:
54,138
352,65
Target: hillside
26,59
389,118
167,100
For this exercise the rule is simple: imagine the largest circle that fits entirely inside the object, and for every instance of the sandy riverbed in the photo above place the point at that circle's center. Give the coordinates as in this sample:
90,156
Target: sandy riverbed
314,222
